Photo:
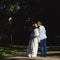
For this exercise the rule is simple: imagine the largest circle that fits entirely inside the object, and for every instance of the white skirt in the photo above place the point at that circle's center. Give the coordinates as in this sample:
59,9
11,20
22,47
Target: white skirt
32,48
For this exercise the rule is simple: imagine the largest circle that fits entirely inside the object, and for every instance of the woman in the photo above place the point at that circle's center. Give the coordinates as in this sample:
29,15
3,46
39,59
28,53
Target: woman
32,48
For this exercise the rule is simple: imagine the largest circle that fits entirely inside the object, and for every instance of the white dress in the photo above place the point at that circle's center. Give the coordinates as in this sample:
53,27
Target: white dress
32,48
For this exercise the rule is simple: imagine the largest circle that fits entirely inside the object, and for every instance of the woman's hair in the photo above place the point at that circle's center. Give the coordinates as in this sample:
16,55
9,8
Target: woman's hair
35,25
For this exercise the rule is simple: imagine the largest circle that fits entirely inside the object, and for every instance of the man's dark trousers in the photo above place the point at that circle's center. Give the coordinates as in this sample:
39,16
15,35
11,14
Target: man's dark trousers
43,48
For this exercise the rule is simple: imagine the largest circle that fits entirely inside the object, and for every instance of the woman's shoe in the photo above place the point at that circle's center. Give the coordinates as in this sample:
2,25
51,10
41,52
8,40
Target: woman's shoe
29,55
33,55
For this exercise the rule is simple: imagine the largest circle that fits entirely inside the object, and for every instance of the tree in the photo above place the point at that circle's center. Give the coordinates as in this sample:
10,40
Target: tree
10,8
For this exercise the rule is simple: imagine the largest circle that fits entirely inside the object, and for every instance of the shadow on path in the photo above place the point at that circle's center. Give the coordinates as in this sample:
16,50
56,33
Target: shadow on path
51,55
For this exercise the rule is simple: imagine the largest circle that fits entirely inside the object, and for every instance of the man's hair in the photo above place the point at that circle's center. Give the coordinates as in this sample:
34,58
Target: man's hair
39,21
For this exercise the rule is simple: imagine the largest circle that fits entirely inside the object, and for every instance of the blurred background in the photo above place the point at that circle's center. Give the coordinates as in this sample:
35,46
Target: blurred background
17,16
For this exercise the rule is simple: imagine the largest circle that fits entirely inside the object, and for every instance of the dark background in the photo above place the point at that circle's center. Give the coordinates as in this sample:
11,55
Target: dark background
46,10
49,10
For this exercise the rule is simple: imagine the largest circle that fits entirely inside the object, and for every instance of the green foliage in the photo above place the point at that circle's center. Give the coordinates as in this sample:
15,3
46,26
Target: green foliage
7,51
10,8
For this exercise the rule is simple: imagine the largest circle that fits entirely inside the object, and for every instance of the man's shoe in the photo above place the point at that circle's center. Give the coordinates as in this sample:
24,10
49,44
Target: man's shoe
43,55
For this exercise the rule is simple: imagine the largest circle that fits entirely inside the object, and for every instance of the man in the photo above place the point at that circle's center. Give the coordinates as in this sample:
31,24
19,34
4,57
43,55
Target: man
43,37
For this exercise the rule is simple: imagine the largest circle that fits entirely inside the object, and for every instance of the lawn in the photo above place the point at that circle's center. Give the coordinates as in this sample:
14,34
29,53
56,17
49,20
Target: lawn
7,51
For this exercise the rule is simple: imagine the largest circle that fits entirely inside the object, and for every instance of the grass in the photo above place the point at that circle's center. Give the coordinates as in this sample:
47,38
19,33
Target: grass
7,51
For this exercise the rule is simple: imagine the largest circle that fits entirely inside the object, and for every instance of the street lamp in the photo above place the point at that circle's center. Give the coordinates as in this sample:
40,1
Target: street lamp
10,22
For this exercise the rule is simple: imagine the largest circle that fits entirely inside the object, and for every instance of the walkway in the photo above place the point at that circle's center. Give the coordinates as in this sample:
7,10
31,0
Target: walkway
51,55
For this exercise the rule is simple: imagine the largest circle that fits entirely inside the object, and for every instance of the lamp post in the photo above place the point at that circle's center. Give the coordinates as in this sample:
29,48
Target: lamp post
10,22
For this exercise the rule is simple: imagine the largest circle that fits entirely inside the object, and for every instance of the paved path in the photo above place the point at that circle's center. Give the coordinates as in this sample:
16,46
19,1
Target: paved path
23,56
26,58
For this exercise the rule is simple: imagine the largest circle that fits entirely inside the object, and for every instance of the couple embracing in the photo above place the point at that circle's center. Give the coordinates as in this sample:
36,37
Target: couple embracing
38,35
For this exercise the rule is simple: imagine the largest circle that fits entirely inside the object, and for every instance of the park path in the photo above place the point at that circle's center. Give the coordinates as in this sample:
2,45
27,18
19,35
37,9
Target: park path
23,56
